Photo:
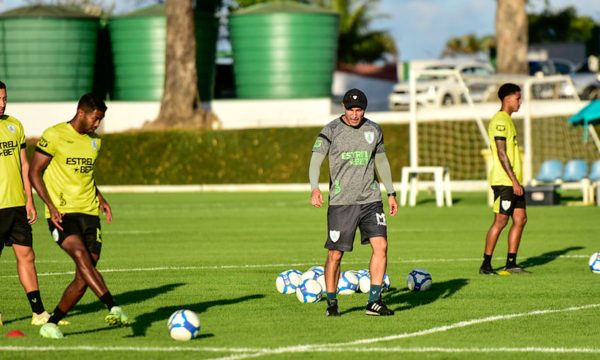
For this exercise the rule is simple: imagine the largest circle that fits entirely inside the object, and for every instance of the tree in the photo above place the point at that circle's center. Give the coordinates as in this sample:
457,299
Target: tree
468,44
561,25
511,37
180,103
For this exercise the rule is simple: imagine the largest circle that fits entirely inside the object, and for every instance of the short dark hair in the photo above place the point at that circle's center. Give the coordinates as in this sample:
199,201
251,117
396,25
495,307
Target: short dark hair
2,85
90,102
507,89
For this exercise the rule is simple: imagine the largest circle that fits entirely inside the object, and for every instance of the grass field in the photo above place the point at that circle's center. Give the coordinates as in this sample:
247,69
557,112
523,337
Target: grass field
219,254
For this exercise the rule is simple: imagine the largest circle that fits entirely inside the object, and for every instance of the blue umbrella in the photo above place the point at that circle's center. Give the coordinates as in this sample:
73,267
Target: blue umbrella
589,115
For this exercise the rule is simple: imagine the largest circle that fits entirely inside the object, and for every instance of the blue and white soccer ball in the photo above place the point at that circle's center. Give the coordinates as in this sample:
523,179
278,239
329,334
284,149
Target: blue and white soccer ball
595,263
364,281
183,325
309,291
288,281
318,269
310,274
418,280
321,281
386,282
348,283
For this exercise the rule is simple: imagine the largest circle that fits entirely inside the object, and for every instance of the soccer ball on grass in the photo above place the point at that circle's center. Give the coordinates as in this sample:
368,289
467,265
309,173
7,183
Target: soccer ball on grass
418,280
183,325
595,263
309,291
288,281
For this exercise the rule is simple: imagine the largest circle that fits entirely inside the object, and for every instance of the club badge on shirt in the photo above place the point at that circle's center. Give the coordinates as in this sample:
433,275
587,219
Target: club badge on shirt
369,136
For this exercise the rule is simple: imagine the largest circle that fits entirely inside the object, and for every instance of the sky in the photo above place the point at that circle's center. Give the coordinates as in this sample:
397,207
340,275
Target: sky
422,27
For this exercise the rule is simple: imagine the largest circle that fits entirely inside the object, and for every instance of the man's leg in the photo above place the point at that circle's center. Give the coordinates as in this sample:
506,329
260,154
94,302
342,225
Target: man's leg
500,221
377,269
514,239
332,275
28,277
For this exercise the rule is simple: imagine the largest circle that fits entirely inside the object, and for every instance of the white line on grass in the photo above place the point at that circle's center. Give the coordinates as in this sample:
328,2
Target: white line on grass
246,353
286,266
438,329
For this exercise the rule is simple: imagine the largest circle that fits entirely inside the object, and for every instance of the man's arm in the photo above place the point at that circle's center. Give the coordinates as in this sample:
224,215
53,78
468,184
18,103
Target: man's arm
385,174
30,205
314,171
38,164
103,205
505,162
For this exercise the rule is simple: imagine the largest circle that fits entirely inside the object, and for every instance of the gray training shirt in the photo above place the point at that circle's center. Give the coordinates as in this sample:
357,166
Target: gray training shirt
351,152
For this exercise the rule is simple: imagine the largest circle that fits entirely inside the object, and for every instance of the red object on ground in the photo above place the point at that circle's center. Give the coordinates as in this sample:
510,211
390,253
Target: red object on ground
15,333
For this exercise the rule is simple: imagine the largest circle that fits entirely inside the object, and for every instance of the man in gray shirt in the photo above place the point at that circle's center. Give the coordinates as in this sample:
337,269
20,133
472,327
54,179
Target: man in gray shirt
354,145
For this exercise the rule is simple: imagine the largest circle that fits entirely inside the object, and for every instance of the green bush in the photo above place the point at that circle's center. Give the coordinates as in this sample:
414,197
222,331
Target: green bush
277,155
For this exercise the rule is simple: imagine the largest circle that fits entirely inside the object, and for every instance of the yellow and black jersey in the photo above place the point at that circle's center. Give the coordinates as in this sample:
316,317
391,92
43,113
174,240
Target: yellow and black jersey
502,127
69,177
12,140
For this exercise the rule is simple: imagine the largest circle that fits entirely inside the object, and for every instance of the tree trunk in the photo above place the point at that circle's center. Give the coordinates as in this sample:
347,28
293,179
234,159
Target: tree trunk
180,103
511,37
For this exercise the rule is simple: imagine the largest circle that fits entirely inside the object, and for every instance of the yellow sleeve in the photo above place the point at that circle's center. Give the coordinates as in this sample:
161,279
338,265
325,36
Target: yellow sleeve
499,129
48,142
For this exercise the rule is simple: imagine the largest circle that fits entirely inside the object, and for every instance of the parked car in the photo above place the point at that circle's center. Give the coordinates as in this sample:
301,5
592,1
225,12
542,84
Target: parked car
442,90
586,82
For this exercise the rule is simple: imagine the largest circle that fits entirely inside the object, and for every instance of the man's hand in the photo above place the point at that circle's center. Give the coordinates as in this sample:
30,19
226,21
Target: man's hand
316,198
31,212
55,217
517,188
393,204
105,209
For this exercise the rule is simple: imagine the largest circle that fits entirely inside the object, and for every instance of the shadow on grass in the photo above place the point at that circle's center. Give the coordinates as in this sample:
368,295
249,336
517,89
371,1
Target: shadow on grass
432,201
547,257
409,299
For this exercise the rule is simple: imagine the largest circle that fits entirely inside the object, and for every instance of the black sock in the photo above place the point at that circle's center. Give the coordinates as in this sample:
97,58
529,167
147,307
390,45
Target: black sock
511,260
35,301
108,300
487,260
57,316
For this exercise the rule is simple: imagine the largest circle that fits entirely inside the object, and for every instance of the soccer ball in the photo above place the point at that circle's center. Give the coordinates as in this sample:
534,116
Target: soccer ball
310,274
418,280
321,281
595,262
183,325
318,269
364,281
386,282
309,291
288,281
348,283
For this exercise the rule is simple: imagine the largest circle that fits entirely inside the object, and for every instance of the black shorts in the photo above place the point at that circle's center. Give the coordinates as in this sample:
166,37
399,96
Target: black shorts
84,225
14,227
505,200
342,221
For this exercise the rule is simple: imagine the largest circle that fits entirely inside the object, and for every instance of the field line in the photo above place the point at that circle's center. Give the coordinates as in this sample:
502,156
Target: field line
265,266
438,329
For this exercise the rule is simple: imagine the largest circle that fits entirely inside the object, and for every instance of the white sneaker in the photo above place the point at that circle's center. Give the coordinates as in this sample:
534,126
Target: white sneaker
51,331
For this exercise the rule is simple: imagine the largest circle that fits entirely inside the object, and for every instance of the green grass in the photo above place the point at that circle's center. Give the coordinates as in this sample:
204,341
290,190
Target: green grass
219,254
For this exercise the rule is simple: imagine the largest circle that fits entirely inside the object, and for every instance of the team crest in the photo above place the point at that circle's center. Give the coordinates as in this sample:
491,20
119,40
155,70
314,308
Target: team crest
12,128
318,143
94,144
369,136
505,204
334,235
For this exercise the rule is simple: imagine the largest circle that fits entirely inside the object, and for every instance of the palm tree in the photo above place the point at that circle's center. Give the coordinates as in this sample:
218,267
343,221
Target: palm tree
511,37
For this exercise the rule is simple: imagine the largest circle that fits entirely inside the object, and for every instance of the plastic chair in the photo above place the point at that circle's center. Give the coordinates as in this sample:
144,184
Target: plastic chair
576,171
595,181
550,171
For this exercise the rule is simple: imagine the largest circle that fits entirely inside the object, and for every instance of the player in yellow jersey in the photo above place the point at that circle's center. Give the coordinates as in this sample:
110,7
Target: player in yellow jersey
62,173
17,210
505,179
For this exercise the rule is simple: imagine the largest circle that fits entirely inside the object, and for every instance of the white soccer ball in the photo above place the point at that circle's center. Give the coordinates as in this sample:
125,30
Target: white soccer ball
595,263
318,269
348,283
321,281
418,280
288,281
310,274
309,291
183,325
386,282
364,282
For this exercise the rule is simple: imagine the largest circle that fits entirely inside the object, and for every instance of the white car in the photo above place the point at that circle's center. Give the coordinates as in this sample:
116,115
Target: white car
443,90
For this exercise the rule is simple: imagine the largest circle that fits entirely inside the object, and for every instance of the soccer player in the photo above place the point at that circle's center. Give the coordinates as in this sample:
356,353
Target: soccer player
62,173
354,145
17,210
505,180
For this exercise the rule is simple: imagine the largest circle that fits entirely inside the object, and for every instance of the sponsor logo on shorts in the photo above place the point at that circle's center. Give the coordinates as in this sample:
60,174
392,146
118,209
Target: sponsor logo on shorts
334,235
381,219
506,204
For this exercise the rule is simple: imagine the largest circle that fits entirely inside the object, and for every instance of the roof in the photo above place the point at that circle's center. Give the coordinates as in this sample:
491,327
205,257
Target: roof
49,11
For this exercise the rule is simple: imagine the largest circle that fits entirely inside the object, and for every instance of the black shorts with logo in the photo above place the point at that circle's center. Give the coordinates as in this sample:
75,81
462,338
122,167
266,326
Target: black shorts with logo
343,220
505,200
84,225
14,227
